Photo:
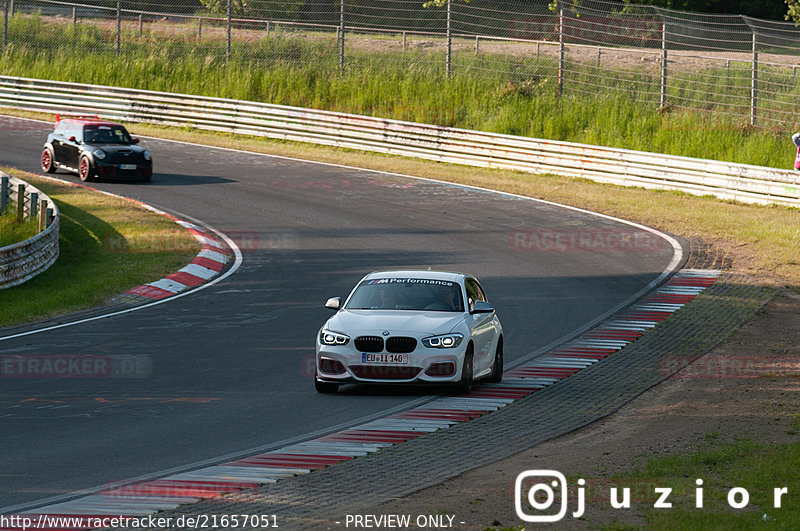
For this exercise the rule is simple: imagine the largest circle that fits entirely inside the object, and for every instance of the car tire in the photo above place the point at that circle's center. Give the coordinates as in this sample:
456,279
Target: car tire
464,386
496,376
85,169
48,162
325,387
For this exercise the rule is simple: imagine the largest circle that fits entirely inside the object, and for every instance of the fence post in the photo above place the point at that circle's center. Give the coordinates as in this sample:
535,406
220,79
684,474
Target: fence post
754,84
5,24
267,35
3,195
228,39
42,214
140,25
20,203
663,64
11,9
119,25
477,46
560,52
341,35
199,28
449,41
74,15
34,210
404,41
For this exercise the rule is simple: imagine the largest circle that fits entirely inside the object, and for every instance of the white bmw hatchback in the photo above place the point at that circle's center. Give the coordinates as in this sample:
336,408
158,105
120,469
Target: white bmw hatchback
411,327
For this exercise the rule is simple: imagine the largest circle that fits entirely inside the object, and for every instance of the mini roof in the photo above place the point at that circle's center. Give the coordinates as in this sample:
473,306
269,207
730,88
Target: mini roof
84,120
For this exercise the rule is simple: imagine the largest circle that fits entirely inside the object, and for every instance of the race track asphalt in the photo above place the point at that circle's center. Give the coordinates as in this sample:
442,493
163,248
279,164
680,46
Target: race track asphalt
230,364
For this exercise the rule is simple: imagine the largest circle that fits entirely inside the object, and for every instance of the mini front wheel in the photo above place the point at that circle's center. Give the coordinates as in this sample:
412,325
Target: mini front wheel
85,169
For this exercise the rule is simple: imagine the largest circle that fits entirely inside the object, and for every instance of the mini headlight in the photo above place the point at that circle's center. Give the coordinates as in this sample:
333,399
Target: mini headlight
444,341
326,337
99,153
146,155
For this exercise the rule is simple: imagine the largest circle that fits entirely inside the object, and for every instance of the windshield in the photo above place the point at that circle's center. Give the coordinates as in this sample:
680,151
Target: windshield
106,134
407,294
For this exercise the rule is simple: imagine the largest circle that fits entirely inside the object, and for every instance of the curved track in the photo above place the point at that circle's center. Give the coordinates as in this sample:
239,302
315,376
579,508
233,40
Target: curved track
230,364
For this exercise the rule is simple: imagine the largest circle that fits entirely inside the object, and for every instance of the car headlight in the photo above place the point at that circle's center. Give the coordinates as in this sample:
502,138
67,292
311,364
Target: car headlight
326,337
444,341
146,155
99,154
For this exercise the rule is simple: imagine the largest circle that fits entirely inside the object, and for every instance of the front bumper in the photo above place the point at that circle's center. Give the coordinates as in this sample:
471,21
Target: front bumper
110,170
425,365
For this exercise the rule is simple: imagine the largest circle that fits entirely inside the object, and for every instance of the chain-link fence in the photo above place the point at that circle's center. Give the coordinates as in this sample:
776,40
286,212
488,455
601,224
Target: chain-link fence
727,64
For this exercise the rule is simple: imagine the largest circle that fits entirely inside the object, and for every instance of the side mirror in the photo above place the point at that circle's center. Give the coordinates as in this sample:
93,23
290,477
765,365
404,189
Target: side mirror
72,139
135,140
482,307
334,303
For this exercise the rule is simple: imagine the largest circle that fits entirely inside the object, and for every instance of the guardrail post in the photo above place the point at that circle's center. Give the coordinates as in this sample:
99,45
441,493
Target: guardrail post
34,208
663,64
119,25
3,195
341,35
228,43
449,40
42,214
560,52
20,203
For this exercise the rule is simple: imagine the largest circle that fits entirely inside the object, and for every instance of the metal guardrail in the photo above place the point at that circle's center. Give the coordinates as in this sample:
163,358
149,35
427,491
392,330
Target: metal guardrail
747,183
22,261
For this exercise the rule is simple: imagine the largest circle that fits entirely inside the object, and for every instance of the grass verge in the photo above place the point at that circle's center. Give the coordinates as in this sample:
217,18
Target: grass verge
108,245
12,232
724,467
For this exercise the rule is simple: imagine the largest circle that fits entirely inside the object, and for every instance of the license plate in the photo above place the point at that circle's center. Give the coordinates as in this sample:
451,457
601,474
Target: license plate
127,166
395,359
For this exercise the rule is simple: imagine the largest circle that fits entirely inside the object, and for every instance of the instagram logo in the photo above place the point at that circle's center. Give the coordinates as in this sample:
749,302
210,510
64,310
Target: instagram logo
536,492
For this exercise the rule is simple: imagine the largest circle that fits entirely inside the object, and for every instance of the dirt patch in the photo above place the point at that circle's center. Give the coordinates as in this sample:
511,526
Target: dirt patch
746,387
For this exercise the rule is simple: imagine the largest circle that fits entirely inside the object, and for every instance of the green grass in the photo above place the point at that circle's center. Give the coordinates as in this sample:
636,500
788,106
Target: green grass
12,232
492,92
107,246
756,467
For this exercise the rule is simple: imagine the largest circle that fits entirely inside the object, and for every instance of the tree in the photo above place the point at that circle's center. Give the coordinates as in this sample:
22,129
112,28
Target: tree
793,11
238,7
769,9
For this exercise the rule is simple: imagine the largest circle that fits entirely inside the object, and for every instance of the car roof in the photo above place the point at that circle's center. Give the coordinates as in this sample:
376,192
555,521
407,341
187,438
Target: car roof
87,121
414,273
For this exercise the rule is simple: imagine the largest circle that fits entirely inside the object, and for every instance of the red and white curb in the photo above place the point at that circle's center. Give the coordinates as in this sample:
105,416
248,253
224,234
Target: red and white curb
166,493
207,264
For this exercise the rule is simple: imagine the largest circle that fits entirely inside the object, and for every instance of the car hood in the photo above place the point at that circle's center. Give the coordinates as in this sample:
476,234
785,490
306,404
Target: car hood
117,148
408,321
